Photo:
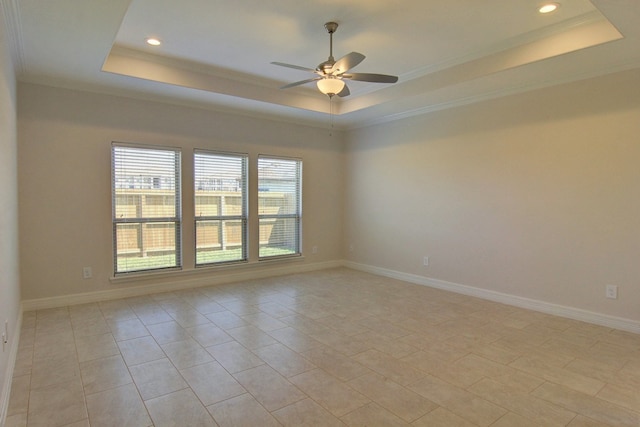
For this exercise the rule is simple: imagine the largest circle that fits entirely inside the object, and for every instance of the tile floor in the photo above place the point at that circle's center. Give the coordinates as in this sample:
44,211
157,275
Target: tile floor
336,347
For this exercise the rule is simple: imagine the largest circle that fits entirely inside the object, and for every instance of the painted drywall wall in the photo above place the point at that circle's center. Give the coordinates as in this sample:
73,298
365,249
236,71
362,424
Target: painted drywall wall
9,278
65,192
534,195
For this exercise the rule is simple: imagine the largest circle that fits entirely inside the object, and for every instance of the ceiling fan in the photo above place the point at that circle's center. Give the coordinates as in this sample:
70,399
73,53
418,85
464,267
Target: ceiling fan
331,74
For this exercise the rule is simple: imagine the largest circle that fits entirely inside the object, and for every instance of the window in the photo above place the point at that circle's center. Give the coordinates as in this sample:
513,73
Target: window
279,206
146,208
220,189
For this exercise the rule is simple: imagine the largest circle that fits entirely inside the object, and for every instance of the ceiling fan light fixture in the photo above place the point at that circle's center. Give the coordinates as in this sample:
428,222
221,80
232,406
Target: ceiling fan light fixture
330,86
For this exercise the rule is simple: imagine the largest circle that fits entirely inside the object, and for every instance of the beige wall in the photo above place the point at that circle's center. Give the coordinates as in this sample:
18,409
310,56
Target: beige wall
535,195
64,179
9,278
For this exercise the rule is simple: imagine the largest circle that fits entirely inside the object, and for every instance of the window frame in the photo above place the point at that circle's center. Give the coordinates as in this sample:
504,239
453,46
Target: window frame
297,216
243,217
145,220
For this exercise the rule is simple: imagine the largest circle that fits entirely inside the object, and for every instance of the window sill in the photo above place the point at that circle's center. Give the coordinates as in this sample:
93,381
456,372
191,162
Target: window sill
203,270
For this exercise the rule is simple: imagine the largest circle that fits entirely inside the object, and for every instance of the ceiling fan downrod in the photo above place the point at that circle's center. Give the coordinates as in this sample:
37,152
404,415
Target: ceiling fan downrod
331,28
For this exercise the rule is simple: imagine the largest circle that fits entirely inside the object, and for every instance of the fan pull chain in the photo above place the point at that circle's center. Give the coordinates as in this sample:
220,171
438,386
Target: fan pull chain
331,115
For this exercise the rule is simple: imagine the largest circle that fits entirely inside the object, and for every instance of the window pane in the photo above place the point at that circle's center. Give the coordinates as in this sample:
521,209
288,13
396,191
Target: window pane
219,241
145,246
279,206
146,208
278,236
220,181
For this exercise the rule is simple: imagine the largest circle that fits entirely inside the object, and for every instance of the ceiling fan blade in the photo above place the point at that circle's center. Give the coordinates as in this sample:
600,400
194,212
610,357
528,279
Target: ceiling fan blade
346,63
295,67
344,92
301,82
369,77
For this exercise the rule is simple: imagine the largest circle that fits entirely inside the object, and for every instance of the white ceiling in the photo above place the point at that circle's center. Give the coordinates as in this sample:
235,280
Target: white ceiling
216,53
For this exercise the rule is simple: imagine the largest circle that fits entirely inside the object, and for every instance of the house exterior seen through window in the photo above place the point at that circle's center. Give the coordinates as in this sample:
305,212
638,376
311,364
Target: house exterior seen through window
279,206
146,208
220,189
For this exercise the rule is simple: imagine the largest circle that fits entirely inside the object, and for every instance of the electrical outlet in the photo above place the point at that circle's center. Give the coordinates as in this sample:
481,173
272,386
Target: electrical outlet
611,291
314,249
351,248
87,273
4,341
425,261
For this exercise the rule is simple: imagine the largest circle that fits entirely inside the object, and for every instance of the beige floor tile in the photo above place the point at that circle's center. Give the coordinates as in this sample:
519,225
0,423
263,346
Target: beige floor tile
251,337
581,421
264,322
284,360
335,363
394,347
151,314
275,309
127,329
588,406
348,345
212,383
116,310
55,346
226,320
294,339
440,417
96,347
343,326
242,411
383,327
157,378
403,402
208,335
90,326
181,408
269,388
83,312
371,415
19,397
510,419
331,393
55,371
103,374
18,420
168,332
459,401
536,366
397,370
187,353
120,406
234,357
462,360
626,396
140,350
205,306
306,413
188,318
522,403
57,405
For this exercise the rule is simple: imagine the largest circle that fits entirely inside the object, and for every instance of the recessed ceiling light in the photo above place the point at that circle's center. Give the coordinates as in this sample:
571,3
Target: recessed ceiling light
153,41
548,7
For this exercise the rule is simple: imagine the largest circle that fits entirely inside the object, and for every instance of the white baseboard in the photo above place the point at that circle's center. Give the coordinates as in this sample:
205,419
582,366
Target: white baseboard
209,280
178,284
8,375
513,300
